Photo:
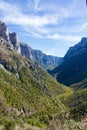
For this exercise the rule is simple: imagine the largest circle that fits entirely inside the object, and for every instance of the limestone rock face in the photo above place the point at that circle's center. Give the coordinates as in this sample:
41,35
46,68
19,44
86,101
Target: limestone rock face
38,57
14,39
8,39
27,51
4,33
5,43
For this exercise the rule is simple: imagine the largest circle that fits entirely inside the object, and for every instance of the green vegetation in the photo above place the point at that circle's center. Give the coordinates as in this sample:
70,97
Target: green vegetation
77,103
8,125
29,95
27,92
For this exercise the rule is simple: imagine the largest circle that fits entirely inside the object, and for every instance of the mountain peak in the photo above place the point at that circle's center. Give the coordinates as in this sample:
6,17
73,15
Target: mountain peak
77,49
84,41
12,38
4,33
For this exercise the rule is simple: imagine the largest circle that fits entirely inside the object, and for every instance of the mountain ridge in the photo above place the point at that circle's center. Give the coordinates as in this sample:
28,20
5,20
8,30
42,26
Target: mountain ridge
43,60
37,56
80,47
73,69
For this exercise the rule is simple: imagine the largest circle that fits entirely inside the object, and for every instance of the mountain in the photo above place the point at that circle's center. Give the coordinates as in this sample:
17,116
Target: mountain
74,66
79,48
43,60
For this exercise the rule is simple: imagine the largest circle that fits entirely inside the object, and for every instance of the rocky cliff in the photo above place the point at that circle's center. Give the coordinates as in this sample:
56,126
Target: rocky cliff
12,42
14,39
9,39
43,60
4,33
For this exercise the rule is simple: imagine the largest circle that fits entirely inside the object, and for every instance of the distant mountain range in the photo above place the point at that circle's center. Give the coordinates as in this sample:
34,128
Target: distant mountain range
46,61
43,60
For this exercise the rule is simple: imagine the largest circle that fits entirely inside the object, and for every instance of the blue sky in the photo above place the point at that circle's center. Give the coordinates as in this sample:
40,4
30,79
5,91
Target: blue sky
51,26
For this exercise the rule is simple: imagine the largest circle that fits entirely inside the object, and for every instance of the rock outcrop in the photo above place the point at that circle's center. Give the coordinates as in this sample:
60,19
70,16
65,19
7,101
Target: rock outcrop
4,33
10,40
14,39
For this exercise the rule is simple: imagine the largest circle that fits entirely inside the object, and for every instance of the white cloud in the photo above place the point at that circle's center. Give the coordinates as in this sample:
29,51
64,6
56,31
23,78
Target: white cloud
33,34
64,37
12,14
35,25
35,21
83,27
46,35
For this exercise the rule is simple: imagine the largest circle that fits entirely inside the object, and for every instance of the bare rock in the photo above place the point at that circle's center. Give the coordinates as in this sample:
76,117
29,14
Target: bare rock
4,33
14,39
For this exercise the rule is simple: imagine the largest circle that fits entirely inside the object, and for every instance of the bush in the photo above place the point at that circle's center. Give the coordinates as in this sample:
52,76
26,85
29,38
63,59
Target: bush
9,125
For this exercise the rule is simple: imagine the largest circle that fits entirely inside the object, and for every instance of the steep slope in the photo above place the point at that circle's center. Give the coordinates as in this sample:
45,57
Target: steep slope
74,67
27,92
41,59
